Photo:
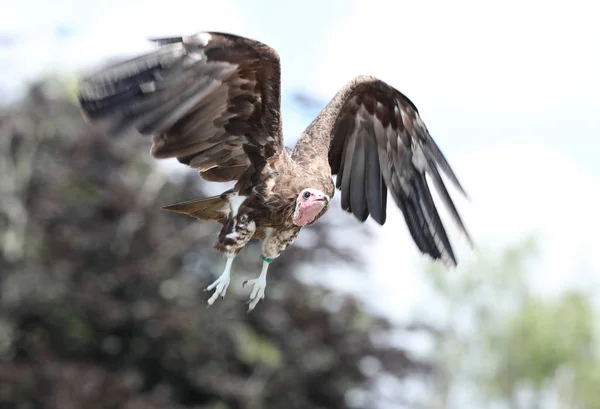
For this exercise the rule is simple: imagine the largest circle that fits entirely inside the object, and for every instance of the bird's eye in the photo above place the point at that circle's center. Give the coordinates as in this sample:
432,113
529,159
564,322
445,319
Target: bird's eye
306,195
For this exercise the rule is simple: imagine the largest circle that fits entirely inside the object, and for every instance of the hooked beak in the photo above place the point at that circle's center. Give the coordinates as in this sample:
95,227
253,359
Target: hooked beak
325,199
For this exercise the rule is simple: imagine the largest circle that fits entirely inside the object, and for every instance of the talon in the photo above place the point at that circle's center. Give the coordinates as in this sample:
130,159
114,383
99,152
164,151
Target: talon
258,285
258,292
220,284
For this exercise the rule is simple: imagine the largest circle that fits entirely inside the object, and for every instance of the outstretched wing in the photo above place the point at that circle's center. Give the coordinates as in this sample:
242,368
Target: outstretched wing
377,141
211,100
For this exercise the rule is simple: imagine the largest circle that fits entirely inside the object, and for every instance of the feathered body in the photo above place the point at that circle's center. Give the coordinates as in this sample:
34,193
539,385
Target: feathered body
212,100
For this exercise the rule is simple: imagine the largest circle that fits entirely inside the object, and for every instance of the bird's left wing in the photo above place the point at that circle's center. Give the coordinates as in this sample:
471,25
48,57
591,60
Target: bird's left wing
377,141
212,100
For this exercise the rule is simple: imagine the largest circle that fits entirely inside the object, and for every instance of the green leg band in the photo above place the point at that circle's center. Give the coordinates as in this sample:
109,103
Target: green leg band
267,259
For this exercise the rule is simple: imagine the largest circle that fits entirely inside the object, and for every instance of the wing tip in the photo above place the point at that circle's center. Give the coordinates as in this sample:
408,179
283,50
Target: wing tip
446,253
165,40
462,190
449,258
379,219
469,239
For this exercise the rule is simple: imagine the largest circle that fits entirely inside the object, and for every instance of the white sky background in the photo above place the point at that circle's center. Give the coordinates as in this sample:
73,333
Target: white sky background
508,89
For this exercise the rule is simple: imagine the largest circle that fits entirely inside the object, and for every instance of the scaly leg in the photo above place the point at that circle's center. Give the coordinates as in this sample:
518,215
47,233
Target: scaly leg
234,235
273,244
258,285
220,285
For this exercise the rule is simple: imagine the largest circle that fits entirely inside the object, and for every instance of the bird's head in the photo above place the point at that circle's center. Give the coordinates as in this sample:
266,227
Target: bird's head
309,203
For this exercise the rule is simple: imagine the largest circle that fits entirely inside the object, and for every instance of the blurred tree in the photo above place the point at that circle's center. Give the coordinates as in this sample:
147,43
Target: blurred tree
550,346
100,303
504,345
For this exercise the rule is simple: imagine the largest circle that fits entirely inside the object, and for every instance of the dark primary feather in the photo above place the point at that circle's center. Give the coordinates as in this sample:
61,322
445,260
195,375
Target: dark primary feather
357,180
211,100
416,223
346,173
375,140
375,188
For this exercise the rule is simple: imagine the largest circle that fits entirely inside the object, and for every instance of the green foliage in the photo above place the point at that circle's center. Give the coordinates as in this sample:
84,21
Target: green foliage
544,336
587,379
515,340
502,273
252,348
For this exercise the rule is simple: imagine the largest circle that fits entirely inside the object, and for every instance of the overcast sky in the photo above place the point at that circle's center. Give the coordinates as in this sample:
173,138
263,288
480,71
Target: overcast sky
508,89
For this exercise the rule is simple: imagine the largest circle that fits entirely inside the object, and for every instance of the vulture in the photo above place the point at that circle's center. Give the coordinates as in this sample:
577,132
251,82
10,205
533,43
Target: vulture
213,101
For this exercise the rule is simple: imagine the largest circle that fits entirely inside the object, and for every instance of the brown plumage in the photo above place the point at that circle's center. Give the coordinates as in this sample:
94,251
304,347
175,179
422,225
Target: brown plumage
212,101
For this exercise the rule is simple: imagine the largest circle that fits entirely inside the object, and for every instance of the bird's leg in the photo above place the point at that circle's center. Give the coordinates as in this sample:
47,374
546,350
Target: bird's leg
220,284
274,243
234,235
258,284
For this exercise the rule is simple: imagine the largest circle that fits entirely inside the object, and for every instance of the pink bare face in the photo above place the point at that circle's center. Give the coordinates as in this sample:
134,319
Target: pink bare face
309,204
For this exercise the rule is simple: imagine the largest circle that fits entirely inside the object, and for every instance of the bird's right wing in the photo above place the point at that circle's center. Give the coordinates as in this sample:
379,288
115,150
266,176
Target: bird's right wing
211,100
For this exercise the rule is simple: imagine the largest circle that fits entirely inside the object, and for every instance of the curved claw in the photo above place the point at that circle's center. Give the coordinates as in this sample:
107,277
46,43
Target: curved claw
220,284
258,291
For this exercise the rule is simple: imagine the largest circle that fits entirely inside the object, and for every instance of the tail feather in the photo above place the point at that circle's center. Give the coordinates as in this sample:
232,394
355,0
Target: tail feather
211,208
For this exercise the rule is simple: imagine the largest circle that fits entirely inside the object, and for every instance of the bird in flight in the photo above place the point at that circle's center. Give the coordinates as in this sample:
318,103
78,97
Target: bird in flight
213,101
